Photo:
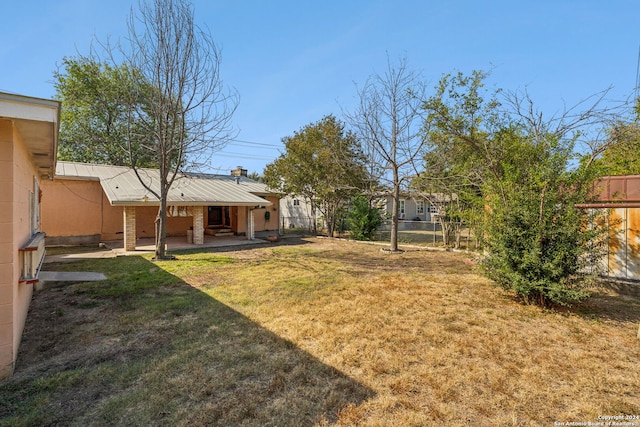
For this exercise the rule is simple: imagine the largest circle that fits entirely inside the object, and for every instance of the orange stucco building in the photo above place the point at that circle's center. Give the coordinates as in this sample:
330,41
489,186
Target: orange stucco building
109,203
28,144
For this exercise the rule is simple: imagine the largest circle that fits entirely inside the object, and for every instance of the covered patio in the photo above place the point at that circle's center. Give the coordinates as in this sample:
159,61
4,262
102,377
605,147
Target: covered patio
111,203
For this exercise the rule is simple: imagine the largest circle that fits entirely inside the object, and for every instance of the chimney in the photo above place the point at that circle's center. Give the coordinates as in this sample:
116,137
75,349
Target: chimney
239,171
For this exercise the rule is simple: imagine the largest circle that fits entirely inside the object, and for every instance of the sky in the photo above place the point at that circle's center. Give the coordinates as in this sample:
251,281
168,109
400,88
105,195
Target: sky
293,62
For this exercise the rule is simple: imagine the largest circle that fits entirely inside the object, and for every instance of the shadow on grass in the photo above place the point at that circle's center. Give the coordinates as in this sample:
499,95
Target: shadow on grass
146,348
616,300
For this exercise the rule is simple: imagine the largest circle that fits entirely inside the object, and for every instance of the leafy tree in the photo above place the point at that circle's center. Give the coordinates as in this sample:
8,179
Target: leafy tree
538,240
387,120
621,156
458,143
95,120
363,218
321,163
526,180
185,110
256,177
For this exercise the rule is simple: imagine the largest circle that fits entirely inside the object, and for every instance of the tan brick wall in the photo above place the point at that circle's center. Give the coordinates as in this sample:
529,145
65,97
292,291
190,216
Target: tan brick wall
198,225
129,218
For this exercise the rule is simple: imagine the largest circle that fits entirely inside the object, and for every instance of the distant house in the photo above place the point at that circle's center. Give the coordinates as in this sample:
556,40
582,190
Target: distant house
296,213
28,145
418,208
109,203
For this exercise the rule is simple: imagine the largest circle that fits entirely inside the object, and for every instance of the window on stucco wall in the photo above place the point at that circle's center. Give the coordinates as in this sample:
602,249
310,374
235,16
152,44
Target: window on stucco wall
34,206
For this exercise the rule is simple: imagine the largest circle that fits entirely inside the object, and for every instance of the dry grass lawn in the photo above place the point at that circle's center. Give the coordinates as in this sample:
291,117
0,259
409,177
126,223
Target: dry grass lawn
324,332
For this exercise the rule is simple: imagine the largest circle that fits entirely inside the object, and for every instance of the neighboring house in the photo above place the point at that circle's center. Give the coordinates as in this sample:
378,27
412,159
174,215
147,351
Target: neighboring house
619,197
427,207
28,144
109,203
296,213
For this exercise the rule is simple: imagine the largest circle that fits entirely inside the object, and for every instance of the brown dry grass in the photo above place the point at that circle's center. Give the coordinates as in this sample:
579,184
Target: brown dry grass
339,333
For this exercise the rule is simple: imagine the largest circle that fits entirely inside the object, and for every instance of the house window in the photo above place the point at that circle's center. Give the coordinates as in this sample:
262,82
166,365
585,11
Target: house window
420,207
34,206
296,202
433,209
401,209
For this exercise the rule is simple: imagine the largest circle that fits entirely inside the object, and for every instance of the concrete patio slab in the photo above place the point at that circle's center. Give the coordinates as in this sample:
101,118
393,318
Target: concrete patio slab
71,276
180,243
48,278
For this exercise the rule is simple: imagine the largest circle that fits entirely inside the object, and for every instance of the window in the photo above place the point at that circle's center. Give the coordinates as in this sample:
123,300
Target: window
296,202
420,207
401,208
34,206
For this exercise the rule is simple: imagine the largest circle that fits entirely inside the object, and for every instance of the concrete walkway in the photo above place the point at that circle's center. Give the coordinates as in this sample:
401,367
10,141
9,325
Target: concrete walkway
148,245
112,249
115,248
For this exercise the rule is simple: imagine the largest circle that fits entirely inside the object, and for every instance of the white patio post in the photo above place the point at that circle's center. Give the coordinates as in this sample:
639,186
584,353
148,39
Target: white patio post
250,224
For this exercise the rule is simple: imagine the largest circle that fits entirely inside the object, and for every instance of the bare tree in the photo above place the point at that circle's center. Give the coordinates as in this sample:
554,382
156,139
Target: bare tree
187,109
388,120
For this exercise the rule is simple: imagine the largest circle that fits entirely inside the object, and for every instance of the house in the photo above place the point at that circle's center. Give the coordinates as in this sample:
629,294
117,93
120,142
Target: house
109,203
618,197
28,145
296,213
426,207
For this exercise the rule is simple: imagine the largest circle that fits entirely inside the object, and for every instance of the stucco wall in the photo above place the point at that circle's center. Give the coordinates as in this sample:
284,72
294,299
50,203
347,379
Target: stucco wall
71,208
7,258
79,208
261,224
16,184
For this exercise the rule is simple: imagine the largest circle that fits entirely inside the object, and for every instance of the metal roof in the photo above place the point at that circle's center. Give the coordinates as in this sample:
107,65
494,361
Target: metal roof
122,186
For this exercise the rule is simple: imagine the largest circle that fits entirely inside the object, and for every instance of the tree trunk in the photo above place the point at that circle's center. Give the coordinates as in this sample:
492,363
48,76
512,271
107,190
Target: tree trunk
161,227
395,207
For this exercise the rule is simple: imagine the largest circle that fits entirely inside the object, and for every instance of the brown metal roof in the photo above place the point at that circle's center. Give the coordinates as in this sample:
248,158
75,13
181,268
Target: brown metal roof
122,186
624,188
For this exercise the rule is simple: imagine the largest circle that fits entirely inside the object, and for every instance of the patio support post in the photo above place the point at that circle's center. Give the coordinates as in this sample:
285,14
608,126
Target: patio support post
129,214
198,225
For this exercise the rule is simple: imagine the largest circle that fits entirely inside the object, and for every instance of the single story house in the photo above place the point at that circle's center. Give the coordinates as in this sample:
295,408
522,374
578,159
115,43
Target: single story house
426,207
28,145
109,203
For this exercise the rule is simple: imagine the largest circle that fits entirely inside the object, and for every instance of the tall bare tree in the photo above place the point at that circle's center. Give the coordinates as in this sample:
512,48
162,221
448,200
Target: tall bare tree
388,120
187,109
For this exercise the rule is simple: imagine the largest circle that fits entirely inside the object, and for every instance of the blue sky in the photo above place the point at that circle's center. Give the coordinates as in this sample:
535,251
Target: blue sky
295,61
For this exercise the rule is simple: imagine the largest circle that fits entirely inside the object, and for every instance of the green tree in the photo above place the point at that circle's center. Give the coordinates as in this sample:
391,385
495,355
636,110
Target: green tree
321,163
539,242
621,155
364,219
95,122
527,181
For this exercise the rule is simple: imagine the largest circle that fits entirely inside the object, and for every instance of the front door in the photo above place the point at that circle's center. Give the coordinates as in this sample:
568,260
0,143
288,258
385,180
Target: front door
218,216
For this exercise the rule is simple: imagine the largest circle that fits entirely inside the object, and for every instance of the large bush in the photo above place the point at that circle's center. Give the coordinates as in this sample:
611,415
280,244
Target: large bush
364,219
